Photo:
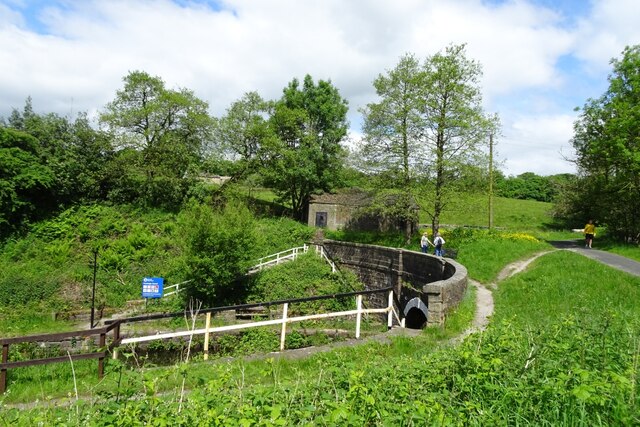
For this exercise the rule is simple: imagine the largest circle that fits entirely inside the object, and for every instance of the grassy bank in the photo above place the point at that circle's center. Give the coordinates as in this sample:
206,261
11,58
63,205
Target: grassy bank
562,349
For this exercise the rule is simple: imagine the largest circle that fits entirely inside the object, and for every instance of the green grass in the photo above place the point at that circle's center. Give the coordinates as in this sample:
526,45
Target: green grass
473,210
562,284
485,258
561,349
604,242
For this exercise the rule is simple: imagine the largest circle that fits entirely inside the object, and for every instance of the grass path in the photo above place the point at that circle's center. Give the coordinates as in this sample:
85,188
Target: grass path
484,295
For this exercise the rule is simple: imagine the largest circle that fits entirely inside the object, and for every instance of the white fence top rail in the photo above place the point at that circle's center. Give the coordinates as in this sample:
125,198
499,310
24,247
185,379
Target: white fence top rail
281,321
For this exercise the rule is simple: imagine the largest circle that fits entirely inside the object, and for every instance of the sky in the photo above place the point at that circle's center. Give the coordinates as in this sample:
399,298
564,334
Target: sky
540,58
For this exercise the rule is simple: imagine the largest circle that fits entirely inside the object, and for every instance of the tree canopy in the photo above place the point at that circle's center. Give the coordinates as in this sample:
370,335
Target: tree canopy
607,143
303,153
165,132
428,122
26,185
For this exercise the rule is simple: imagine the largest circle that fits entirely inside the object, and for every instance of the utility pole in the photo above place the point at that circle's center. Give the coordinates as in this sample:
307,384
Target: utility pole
491,180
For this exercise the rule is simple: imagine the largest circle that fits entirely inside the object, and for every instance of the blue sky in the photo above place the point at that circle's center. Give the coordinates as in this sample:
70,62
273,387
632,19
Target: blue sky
541,58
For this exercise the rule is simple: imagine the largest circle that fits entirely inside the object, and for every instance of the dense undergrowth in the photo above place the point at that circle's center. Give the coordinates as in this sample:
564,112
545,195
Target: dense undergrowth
48,273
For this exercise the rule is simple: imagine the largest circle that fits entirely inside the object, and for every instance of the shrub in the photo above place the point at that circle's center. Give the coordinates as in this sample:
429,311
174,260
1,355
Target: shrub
218,251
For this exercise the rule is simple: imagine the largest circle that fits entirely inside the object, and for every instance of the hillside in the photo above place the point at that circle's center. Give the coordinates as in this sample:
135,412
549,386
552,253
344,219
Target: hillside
47,275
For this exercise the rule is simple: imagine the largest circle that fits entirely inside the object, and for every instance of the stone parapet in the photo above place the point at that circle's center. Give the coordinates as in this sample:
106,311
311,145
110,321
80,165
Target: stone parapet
440,282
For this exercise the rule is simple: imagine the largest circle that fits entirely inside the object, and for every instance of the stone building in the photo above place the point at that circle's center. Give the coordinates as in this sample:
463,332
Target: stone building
353,209
334,211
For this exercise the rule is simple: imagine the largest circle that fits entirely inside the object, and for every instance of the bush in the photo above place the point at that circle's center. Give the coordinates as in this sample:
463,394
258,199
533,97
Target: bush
218,251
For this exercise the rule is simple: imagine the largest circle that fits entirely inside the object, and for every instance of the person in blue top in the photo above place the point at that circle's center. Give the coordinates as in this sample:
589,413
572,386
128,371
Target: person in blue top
439,242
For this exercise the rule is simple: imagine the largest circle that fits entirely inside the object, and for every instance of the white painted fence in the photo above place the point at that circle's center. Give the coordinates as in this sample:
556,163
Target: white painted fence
284,321
279,258
266,262
176,287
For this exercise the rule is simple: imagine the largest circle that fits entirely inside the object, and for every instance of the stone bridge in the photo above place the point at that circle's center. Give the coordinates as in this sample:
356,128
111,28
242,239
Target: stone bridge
428,287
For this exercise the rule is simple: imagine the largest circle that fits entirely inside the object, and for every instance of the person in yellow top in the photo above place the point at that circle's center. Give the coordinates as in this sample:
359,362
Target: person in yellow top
589,233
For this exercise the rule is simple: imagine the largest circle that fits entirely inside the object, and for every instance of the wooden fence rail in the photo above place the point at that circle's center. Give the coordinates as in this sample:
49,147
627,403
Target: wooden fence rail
114,327
100,354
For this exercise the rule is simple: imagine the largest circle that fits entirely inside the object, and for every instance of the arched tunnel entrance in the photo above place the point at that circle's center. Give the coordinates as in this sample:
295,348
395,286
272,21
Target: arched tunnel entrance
415,314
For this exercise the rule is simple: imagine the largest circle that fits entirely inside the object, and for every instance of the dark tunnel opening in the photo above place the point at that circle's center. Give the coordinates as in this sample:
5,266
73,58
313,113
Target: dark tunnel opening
415,319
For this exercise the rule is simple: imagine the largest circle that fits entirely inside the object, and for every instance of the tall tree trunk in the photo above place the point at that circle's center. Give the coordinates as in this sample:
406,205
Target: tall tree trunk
437,203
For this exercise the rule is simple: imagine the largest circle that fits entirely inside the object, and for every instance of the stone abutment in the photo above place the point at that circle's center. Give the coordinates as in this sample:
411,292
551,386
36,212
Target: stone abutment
430,284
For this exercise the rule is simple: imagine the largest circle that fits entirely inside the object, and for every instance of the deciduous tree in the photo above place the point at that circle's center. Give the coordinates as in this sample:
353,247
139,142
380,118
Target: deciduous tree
302,153
167,127
456,125
428,122
607,143
25,182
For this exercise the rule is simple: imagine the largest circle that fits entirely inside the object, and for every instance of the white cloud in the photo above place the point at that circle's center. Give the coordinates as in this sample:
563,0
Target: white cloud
537,143
611,25
248,45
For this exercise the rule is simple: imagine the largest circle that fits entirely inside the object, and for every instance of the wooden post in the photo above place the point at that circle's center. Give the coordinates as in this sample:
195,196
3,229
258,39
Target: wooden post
101,344
3,371
116,341
283,334
390,308
359,315
206,336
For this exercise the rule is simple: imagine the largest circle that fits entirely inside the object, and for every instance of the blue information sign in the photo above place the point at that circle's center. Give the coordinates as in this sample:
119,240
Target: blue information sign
152,287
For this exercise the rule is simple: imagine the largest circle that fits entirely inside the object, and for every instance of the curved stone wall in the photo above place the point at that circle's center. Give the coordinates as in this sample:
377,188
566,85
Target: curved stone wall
439,282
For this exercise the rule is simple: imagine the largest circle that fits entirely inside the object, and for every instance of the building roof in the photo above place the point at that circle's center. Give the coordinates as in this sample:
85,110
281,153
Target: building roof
350,197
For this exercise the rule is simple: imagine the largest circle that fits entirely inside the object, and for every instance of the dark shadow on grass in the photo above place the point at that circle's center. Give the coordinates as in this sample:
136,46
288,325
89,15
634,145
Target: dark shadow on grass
566,244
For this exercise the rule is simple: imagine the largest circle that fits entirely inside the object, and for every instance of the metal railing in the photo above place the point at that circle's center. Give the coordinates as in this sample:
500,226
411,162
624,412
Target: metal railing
266,262
176,287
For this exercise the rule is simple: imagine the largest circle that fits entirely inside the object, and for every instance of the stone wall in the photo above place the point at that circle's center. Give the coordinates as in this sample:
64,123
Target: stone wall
440,281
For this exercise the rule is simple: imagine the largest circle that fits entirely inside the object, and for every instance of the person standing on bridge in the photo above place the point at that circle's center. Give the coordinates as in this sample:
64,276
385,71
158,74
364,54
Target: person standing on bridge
438,242
589,233
425,242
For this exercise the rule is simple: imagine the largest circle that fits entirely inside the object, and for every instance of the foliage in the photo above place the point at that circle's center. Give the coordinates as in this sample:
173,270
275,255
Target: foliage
50,270
303,154
391,239
277,234
428,123
308,276
26,185
75,153
394,127
160,133
455,122
220,249
529,186
241,132
608,156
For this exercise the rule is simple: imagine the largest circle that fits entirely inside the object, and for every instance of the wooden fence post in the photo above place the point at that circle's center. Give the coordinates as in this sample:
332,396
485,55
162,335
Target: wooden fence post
206,336
101,344
283,334
359,315
390,308
116,340
3,371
